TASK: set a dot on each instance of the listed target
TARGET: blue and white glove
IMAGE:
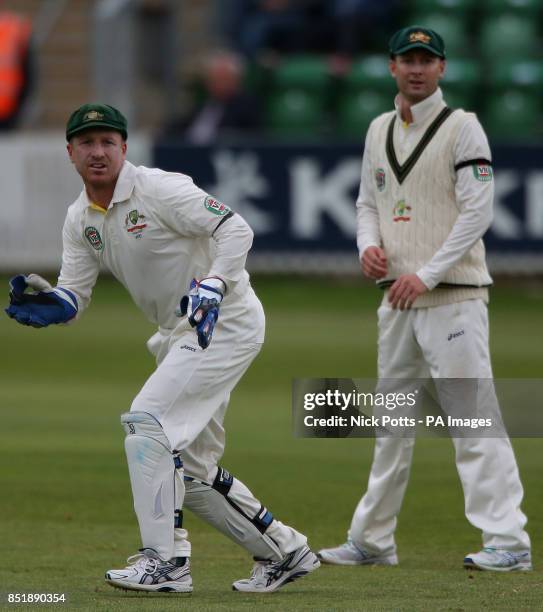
(45, 306)
(202, 307)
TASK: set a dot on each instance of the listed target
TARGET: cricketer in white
(425, 201)
(155, 231)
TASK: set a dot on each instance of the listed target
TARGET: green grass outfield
(65, 504)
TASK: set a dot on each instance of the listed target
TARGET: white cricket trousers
(448, 341)
(188, 394)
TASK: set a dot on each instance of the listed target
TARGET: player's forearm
(470, 226)
(233, 239)
(367, 215)
(367, 224)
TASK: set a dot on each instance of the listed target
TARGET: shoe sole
(150, 588)
(374, 561)
(293, 575)
(487, 568)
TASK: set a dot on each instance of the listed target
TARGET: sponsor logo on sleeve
(482, 172)
(216, 207)
(94, 238)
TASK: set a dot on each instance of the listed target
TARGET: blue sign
(302, 198)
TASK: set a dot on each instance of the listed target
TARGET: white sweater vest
(417, 209)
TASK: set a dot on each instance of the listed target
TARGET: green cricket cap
(96, 116)
(416, 37)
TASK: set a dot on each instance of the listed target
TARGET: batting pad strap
(241, 499)
(479, 161)
(177, 461)
(178, 519)
(263, 519)
(223, 481)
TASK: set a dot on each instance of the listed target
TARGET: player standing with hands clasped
(157, 232)
(425, 202)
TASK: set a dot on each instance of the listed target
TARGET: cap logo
(419, 37)
(93, 116)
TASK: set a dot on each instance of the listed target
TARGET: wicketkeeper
(161, 236)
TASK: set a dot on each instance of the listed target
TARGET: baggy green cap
(96, 116)
(417, 37)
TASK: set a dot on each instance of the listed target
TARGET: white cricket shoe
(497, 560)
(146, 571)
(268, 576)
(350, 554)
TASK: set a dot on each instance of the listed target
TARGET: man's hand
(374, 263)
(44, 307)
(405, 291)
(202, 307)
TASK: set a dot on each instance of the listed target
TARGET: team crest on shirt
(94, 238)
(216, 207)
(134, 223)
(482, 172)
(401, 212)
(380, 179)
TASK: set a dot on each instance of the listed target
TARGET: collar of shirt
(423, 110)
(123, 187)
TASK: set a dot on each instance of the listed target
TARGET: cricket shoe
(496, 560)
(351, 554)
(146, 571)
(268, 576)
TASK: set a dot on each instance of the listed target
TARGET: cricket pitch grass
(65, 506)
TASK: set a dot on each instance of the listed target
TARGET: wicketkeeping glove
(45, 306)
(202, 307)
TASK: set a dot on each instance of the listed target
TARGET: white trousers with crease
(188, 395)
(448, 341)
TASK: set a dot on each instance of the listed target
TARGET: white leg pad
(229, 506)
(152, 476)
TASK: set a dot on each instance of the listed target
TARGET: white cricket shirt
(159, 232)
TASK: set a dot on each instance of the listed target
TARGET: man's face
(417, 74)
(98, 156)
